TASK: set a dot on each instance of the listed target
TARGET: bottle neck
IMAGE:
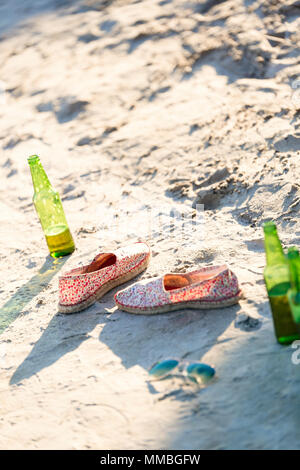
(39, 177)
(293, 273)
(295, 277)
(273, 248)
(296, 266)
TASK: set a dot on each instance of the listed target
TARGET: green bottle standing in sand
(277, 279)
(50, 211)
(294, 291)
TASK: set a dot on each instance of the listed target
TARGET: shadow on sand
(257, 386)
(187, 334)
(14, 13)
(64, 334)
(12, 309)
(136, 339)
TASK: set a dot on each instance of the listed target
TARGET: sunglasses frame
(181, 367)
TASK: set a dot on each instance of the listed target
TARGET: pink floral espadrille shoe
(209, 287)
(81, 287)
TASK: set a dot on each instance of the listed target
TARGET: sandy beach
(144, 114)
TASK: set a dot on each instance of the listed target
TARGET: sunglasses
(195, 371)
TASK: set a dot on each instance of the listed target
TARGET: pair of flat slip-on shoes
(208, 287)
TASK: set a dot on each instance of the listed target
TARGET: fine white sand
(139, 111)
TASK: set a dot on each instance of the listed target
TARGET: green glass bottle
(294, 291)
(277, 280)
(293, 254)
(50, 211)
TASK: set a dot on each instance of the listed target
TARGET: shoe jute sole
(104, 289)
(193, 304)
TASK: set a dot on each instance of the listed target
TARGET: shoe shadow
(14, 306)
(144, 339)
(63, 334)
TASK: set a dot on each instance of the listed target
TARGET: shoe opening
(101, 261)
(178, 281)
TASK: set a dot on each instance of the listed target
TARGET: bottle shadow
(14, 306)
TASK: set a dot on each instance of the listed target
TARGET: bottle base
(60, 241)
(61, 253)
(288, 339)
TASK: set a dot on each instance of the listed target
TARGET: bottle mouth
(269, 227)
(33, 158)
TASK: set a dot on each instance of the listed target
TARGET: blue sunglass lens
(198, 370)
(163, 368)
